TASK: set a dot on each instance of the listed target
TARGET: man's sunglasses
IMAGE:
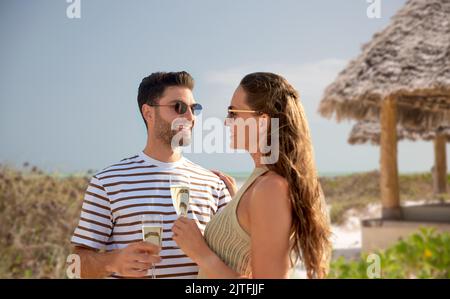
(181, 107)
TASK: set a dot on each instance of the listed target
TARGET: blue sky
(68, 86)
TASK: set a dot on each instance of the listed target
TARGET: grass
(423, 254)
(356, 191)
(39, 211)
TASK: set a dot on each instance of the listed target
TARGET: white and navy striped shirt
(119, 195)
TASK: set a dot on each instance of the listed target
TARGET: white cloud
(309, 78)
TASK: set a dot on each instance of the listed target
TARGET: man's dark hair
(152, 87)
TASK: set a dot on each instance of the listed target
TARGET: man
(108, 238)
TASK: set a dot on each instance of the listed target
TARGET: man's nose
(189, 115)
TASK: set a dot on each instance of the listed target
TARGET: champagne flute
(152, 230)
(180, 190)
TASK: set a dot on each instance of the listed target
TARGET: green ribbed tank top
(226, 237)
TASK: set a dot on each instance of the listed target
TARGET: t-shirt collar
(161, 164)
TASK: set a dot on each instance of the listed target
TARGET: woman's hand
(229, 181)
(188, 236)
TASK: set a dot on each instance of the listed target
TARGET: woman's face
(244, 126)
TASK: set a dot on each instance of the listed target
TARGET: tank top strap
(257, 172)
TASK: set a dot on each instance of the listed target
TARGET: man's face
(166, 123)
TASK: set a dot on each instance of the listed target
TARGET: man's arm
(92, 234)
(132, 261)
(94, 264)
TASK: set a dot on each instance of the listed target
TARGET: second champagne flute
(152, 231)
(179, 191)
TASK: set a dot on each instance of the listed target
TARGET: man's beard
(168, 136)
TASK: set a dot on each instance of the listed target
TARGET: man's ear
(147, 112)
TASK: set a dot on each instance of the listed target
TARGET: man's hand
(131, 261)
(229, 181)
(134, 260)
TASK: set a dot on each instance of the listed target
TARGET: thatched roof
(369, 131)
(409, 59)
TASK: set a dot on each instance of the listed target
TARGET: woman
(278, 214)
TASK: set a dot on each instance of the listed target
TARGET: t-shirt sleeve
(223, 196)
(95, 224)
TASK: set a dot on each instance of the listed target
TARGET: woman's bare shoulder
(270, 199)
(272, 180)
(269, 186)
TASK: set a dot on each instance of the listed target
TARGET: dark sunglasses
(181, 107)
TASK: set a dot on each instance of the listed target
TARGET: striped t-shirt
(119, 195)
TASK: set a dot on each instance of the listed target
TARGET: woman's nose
(228, 122)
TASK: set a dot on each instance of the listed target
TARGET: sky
(68, 86)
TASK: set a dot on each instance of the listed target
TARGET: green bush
(425, 254)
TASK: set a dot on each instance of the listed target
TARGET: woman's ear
(264, 123)
(265, 115)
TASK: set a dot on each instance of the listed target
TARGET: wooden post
(390, 197)
(440, 165)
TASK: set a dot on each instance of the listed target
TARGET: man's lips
(180, 124)
(184, 128)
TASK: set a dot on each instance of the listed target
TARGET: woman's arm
(188, 236)
(213, 267)
(270, 227)
(270, 224)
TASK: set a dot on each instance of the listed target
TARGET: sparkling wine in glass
(180, 190)
(152, 231)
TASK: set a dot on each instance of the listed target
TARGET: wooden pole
(390, 197)
(440, 165)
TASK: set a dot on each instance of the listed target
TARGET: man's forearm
(95, 264)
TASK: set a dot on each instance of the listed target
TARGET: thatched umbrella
(401, 76)
(369, 131)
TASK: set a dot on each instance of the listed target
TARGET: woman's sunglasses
(181, 107)
(232, 113)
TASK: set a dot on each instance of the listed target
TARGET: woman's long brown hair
(272, 94)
